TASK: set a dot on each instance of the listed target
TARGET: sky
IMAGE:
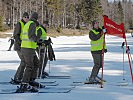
(116, 0)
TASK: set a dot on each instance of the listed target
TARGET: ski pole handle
(122, 44)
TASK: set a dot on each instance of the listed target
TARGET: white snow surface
(73, 58)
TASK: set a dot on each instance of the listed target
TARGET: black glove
(122, 44)
(105, 50)
(46, 42)
(40, 42)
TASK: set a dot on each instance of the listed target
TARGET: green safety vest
(98, 44)
(44, 35)
(22, 27)
(26, 42)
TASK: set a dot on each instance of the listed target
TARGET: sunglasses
(96, 22)
(26, 17)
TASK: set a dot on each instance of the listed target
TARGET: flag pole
(129, 59)
(102, 60)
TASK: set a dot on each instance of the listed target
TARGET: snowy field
(73, 58)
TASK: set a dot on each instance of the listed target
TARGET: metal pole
(123, 60)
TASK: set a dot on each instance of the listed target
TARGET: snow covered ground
(73, 58)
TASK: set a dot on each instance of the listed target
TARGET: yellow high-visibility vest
(98, 44)
(26, 42)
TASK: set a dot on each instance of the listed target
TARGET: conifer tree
(1, 23)
(91, 10)
(120, 13)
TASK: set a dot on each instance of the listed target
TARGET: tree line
(66, 13)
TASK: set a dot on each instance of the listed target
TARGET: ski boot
(100, 79)
(92, 81)
(36, 84)
(24, 87)
(44, 75)
(15, 82)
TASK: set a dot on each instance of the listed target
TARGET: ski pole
(130, 54)
(49, 66)
(122, 46)
(48, 60)
(39, 53)
(45, 50)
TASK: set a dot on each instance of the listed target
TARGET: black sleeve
(32, 32)
(39, 33)
(94, 36)
(17, 32)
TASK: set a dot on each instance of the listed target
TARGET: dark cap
(45, 22)
(34, 15)
(25, 14)
(93, 22)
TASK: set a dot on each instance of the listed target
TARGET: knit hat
(25, 14)
(34, 15)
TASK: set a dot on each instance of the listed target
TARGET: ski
(58, 77)
(118, 83)
(45, 82)
(79, 83)
(42, 90)
(52, 83)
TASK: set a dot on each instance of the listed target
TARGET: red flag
(113, 28)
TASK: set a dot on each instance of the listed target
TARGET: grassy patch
(53, 33)
(4, 34)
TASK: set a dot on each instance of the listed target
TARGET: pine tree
(91, 10)
(120, 16)
(1, 23)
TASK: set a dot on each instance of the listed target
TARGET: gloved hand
(104, 30)
(105, 50)
(40, 42)
(46, 42)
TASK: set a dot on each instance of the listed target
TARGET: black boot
(44, 75)
(23, 88)
(15, 82)
(36, 84)
(92, 81)
(33, 89)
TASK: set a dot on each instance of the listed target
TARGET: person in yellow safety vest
(17, 35)
(42, 50)
(28, 47)
(97, 42)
